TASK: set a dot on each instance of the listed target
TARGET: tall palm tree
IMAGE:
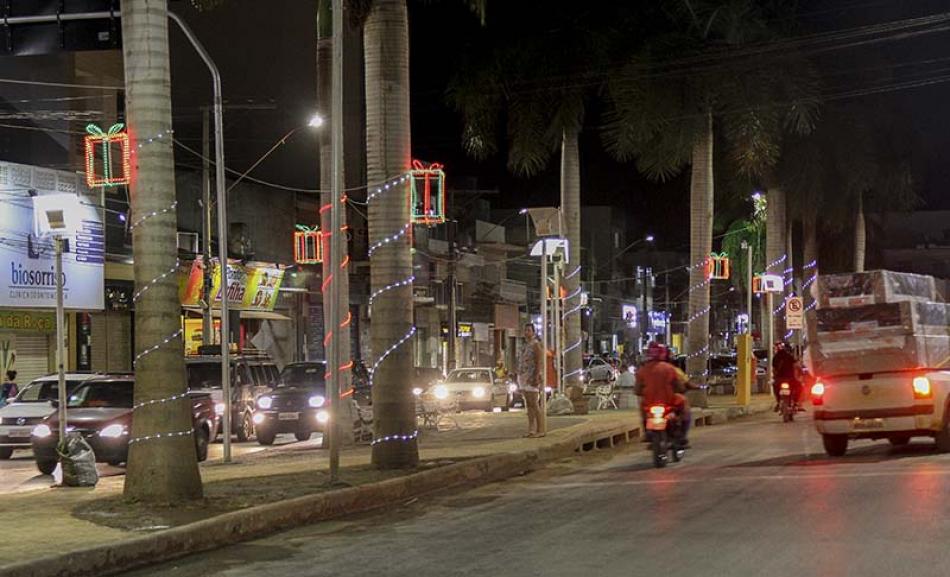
(161, 469)
(529, 79)
(856, 160)
(388, 155)
(667, 101)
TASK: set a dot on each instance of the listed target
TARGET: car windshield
(204, 375)
(44, 391)
(309, 375)
(463, 376)
(111, 394)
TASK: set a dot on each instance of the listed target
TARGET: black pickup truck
(101, 410)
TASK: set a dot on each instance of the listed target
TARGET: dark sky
(266, 54)
(442, 32)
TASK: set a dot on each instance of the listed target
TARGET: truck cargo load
(872, 287)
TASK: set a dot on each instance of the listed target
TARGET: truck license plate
(866, 424)
(288, 416)
(785, 392)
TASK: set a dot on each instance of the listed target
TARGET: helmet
(657, 352)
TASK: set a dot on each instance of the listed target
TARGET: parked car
(31, 406)
(597, 370)
(252, 375)
(100, 409)
(296, 405)
(474, 388)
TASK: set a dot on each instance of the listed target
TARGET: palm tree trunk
(571, 213)
(701, 225)
(324, 89)
(776, 247)
(160, 470)
(386, 53)
(860, 236)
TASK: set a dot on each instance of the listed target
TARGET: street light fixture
(316, 121)
(58, 216)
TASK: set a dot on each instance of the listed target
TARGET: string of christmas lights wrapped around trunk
(176, 336)
(388, 438)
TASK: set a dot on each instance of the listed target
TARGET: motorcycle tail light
(657, 411)
(784, 385)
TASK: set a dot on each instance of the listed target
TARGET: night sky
(266, 55)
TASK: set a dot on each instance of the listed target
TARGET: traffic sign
(795, 313)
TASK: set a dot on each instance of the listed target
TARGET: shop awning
(259, 315)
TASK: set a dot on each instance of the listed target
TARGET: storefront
(26, 340)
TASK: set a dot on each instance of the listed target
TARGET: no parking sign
(795, 313)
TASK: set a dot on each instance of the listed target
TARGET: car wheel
(835, 445)
(246, 429)
(114, 463)
(509, 402)
(302, 435)
(202, 438)
(46, 467)
(265, 437)
(490, 408)
(943, 437)
(6, 453)
(899, 441)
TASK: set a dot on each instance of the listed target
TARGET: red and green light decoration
(107, 156)
(308, 245)
(427, 193)
(718, 267)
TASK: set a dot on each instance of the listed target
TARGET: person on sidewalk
(8, 389)
(529, 373)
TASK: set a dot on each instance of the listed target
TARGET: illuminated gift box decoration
(308, 248)
(107, 156)
(427, 194)
(718, 267)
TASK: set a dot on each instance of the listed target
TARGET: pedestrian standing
(8, 389)
(530, 372)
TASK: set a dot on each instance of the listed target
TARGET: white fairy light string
(173, 337)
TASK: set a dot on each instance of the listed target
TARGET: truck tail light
(818, 393)
(922, 388)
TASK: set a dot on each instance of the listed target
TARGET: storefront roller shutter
(32, 356)
(111, 342)
(99, 342)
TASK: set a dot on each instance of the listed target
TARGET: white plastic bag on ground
(560, 405)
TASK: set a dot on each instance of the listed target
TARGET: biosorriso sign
(27, 260)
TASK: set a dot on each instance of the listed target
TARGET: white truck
(879, 342)
(892, 405)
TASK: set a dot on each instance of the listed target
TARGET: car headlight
(478, 392)
(512, 388)
(440, 392)
(583, 378)
(219, 409)
(323, 417)
(258, 418)
(417, 391)
(315, 401)
(265, 402)
(42, 431)
(548, 389)
(113, 431)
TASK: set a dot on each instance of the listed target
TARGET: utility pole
(669, 312)
(207, 324)
(451, 341)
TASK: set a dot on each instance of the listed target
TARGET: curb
(255, 522)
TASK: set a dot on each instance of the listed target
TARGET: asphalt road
(756, 498)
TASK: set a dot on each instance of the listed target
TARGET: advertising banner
(27, 260)
(251, 286)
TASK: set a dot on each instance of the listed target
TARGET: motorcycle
(664, 431)
(786, 404)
